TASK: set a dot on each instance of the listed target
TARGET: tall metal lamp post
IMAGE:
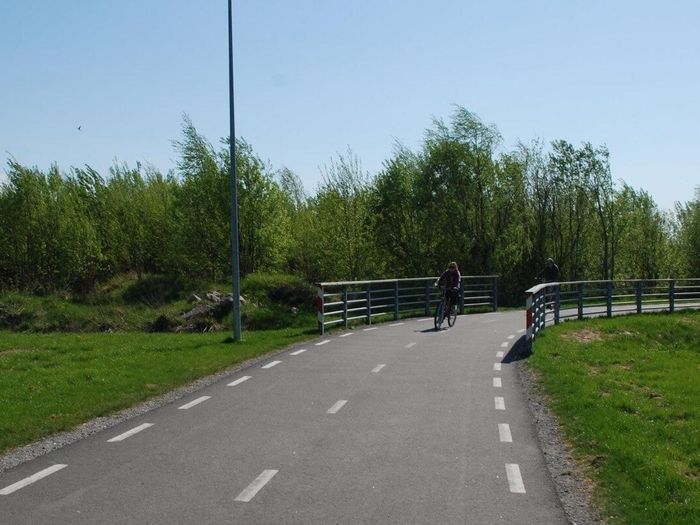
(234, 189)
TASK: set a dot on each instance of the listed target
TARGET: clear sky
(316, 77)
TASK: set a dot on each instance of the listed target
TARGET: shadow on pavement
(517, 352)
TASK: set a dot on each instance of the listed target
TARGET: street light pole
(234, 189)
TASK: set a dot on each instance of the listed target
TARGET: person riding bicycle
(550, 272)
(451, 279)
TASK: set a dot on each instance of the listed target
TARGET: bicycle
(445, 305)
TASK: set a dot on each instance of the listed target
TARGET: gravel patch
(572, 486)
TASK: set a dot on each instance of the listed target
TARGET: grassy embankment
(627, 392)
(52, 381)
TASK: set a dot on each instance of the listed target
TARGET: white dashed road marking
(500, 354)
(369, 329)
(410, 345)
(31, 479)
(195, 402)
(270, 365)
(504, 433)
(122, 437)
(504, 345)
(499, 403)
(426, 319)
(239, 381)
(397, 324)
(515, 480)
(298, 352)
(377, 368)
(497, 382)
(522, 330)
(334, 409)
(252, 489)
(511, 337)
(345, 335)
(324, 342)
(497, 367)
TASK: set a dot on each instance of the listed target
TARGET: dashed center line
(251, 490)
(298, 352)
(324, 342)
(497, 382)
(122, 437)
(239, 381)
(500, 403)
(410, 345)
(270, 365)
(31, 479)
(497, 367)
(515, 480)
(334, 409)
(377, 368)
(194, 403)
(504, 433)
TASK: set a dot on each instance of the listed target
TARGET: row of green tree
(459, 197)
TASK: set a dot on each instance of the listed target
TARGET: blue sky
(316, 77)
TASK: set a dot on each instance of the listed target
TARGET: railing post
(461, 296)
(528, 322)
(495, 294)
(319, 310)
(369, 304)
(396, 300)
(609, 298)
(638, 295)
(557, 303)
(580, 301)
(345, 305)
(427, 299)
(671, 295)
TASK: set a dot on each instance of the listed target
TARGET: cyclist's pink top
(451, 278)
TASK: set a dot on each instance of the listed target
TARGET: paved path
(395, 424)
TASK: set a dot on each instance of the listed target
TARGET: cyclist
(451, 279)
(550, 272)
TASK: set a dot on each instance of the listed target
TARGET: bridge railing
(345, 302)
(551, 303)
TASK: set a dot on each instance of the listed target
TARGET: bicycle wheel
(439, 315)
(452, 316)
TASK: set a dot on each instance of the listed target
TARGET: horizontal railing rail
(550, 303)
(345, 302)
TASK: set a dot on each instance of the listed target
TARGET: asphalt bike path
(394, 423)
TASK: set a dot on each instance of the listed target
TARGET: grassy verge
(51, 383)
(627, 392)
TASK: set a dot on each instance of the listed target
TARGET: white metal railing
(345, 302)
(552, 302)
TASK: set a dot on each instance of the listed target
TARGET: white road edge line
(500, 403)
(193, 403)
(345, 335)
(500, 354)
(122, 437)
(397, 324)
(410, 345)
(31, 479)
(298, 352)
(504, 433)
(497, 367)
(497, 382)
(239, 381)
(522, 330)
(511, 337)
(515, 480)
(377, 369)
(369, 329)
(323, 342)
(426, 319)
(270, 365)
(504, 345)
(251, 490)
(334, 409)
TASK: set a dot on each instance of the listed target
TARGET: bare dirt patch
(585, 335)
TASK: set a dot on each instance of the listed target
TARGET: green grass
(54, 382)
(627, 392)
